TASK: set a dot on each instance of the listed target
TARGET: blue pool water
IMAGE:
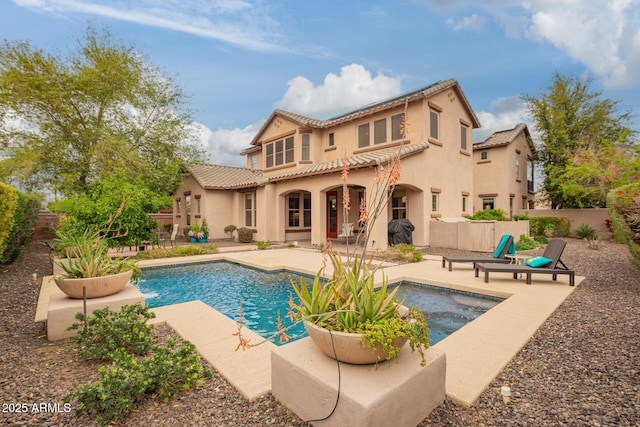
(222, 285)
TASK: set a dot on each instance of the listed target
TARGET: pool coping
(476, 353)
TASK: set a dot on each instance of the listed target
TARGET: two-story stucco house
(291, 189)
(503, 171)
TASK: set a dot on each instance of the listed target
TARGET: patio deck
(475, 354)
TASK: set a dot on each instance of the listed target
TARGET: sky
(238, 60)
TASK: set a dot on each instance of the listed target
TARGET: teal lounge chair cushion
(538, 261)
(503, 241)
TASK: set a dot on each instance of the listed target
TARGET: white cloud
(604, 35)
(223, 146)
(505, 114)
(353, 88)
(471, 23)
(241, 23)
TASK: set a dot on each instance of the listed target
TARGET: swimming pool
(222, 285)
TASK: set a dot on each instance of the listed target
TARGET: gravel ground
(580, 368)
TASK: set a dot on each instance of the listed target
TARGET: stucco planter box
(305, 380)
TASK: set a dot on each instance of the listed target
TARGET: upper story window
(279, 152)
(396, 126)
(331, 139)
(380, 131)
(254, 161)
(484, 155)
(306, 139)
(464, 131)
(434, 119)
(517, 165)
(363, 135)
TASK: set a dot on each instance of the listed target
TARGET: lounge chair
(505, 246)
(555, 267)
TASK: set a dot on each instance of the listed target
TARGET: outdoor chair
(505, 246)
(174, 234)
(549, 263)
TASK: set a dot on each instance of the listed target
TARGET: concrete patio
(475, 354)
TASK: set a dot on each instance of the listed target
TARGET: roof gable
(371, 109)
(505, 137)
(217, 177)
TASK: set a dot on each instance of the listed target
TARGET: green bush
(538, 224)
(8, 201)
(489, 215)
(585, 232)
(405, 252)
(119, 338)
(526, 243)
(107, 333)
(263, 244)
(623, 206)
(189, 250)
(25, 216)
(245, 235)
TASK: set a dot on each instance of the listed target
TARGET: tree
(68, 121)
(574, 123)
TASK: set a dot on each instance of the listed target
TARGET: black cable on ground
(335, 356)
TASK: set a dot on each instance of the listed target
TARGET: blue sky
(240, 59)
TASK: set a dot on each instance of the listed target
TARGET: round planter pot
(203, 239)
(348, 348)
(193, 240)
(96, 287)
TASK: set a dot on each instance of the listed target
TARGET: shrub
(229, 229)
(209, 248)
(168, 370)
(106, 334)
(245, 235)
(538, 224)
(263, 244)
(25, 216)
(526, 243)
(585, 232)
(8, 201)
(489, 215)
(623, 205)
(405, 252)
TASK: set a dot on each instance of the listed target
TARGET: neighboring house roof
(505, 137)
(356, 161)
(424, 92)
(217, 177)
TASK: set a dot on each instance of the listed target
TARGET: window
(511, 206)
(250, 210)
(380, 131)
(517, 165)
(484, 155)
(198, 205)
(464, 203)
(434, 202)
(187, 208)
(331, 139)
(463, 136)
(178, 206)
(488, 203)
(279, 152)
(434, 117)
(305, 146)
(363, 135)
(299, 210)
(269, 156)
(399, 204)
(254, 162)
(396, 126)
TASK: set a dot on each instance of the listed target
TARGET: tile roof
(503, 137)
(356, 161)
(377, 107)
(217, 177)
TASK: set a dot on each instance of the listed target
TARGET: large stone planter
(348, 347)
(96, 287)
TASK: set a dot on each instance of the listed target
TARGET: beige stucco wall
(496, 176)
